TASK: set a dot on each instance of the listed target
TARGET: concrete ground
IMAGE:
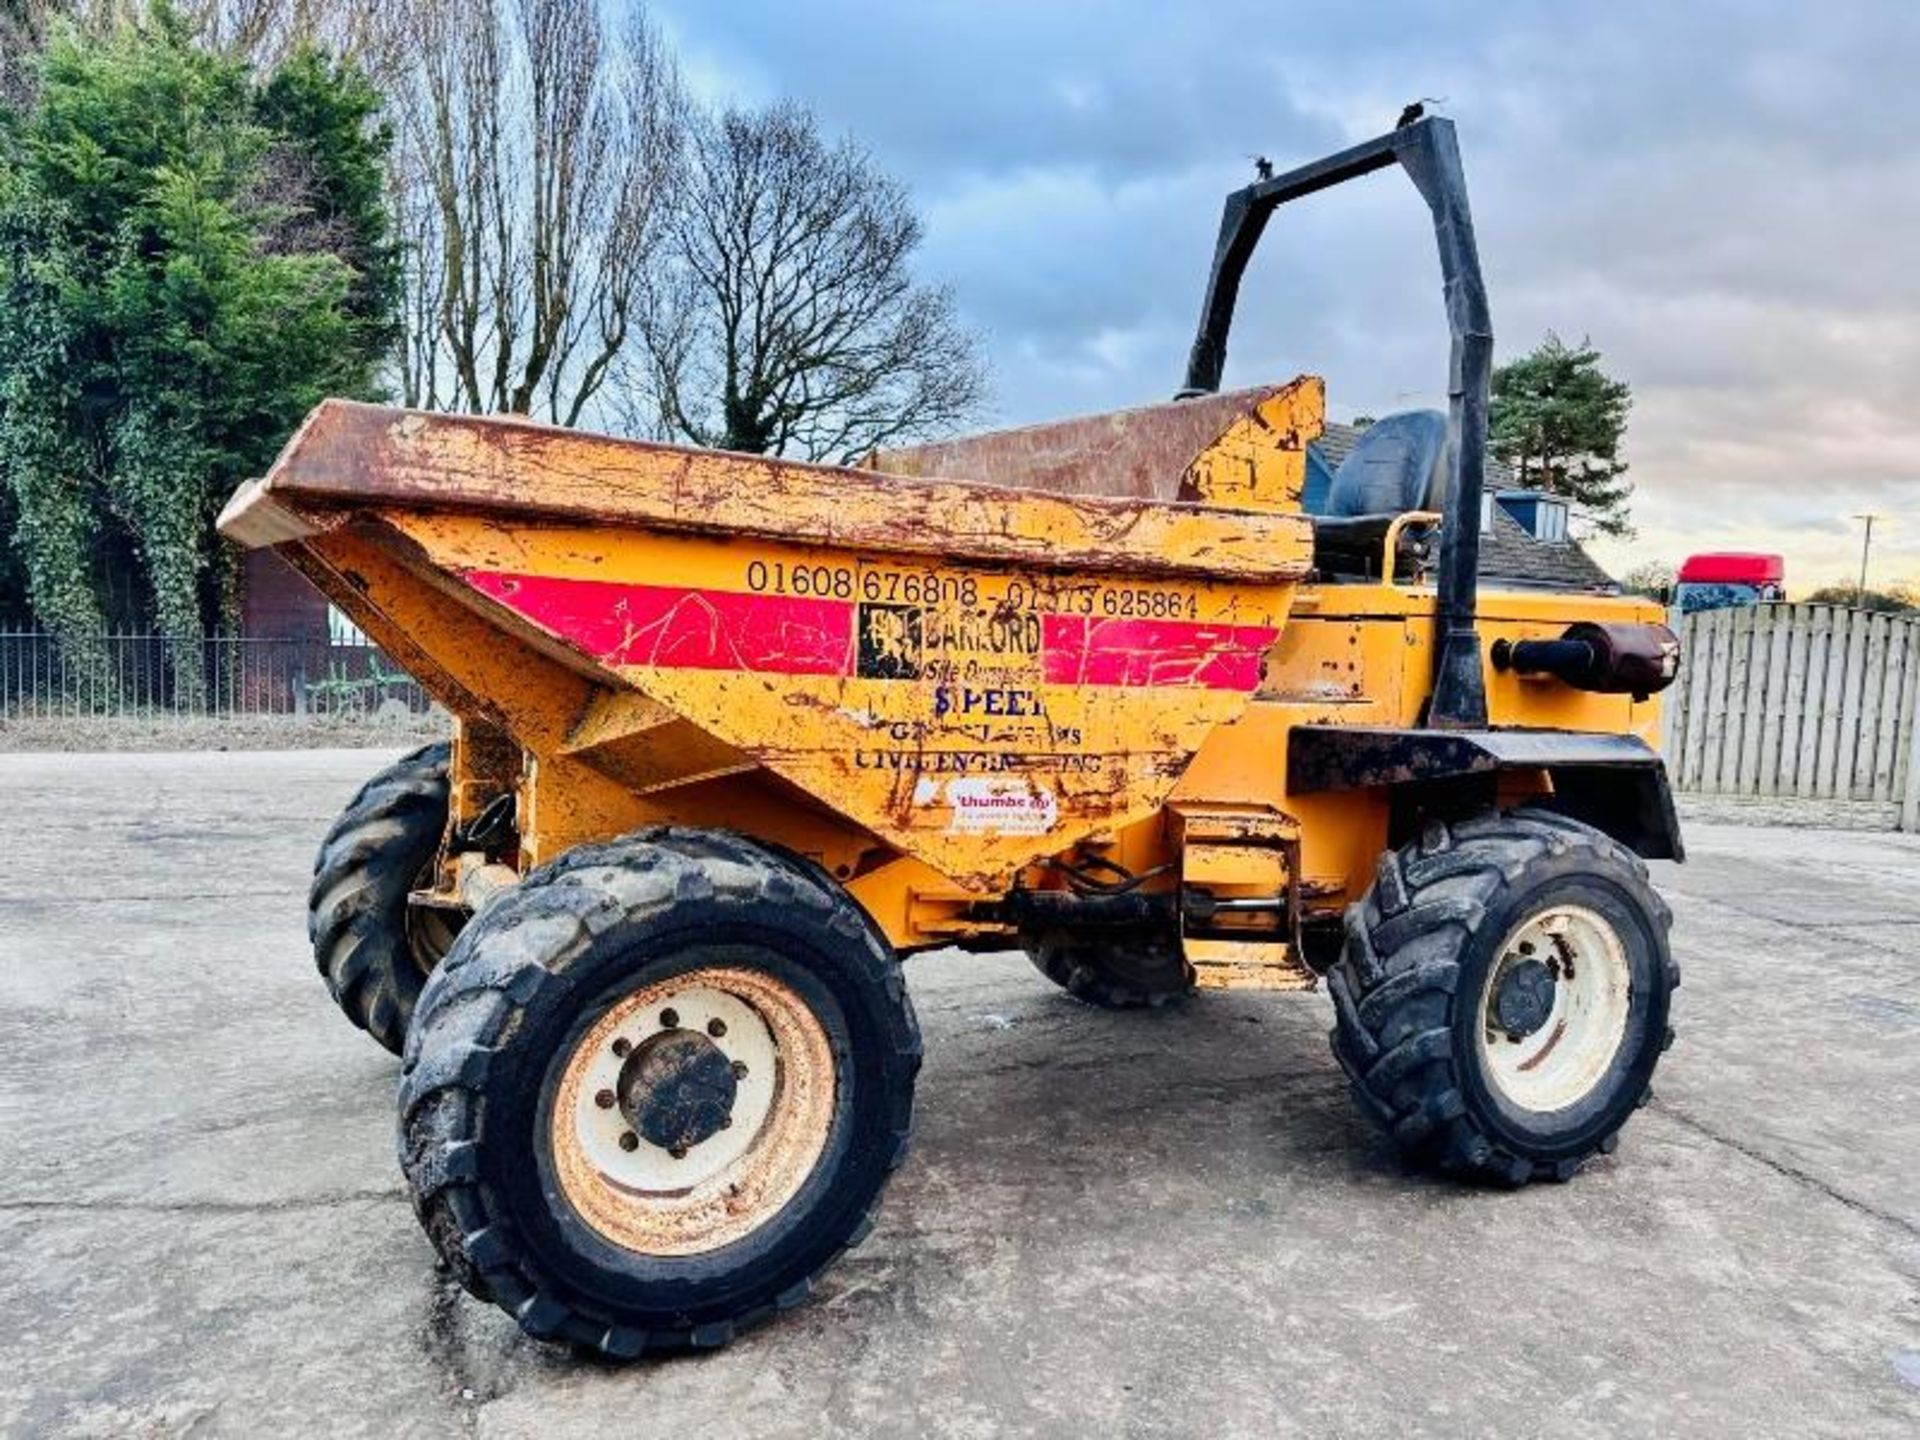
(1112, 1224)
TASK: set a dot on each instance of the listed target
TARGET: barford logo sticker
(890, 642)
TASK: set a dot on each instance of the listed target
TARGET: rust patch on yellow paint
(1260, 461)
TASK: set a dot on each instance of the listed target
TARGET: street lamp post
(1866, 549)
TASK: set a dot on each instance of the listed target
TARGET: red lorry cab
(1727, 579)
(1734, 567)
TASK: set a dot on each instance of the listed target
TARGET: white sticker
(987, 805)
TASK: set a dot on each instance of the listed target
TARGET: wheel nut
(678, 1152)
(726, 1122)
(604, 1099)
(629, 1141)
(622, 1046)
(669, 1019)
(739, 1069)
(716, 1028)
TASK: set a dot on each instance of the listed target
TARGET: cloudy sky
(1725, 197)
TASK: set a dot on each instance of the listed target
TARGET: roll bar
(1430, 154)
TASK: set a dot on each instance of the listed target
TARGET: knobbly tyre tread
(1393, 988)
(526, 941)
(1081, 967)
(356, 905)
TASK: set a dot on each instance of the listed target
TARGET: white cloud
(1724, 199)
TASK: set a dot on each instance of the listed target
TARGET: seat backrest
(1399, 463)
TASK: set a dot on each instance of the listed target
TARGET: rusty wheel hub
(693, 1110)
(677, 1089)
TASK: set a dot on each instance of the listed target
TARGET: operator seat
(1398, 464)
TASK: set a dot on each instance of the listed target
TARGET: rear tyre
(656, 1088)
(1503, 996)
(1126, 971)
(372, 948)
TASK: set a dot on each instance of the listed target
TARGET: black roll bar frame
(1429, 152)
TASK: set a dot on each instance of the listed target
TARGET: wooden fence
(1812, 701)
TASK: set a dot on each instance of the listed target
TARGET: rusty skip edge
(256, 520)
(350, 457)
(1144, 453)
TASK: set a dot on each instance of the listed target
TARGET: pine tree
(1558, 419)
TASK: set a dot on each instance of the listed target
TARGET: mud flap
(1615, 783)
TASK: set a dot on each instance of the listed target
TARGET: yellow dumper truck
(732, 735)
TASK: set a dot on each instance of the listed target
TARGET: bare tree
(417, 360)
(581, 245)
(266, 31)
(23, 28)
(537, 152)
(783, 317)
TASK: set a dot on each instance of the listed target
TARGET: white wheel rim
(657, 1201)
(1558, 1063)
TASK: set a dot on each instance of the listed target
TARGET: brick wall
(277, 603)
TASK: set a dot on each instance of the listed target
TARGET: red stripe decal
(681, 628)
(1086, 650)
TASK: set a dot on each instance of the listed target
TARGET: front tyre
(655, 1089)
(1503, 996)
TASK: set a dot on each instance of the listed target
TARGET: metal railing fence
(97, 676)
